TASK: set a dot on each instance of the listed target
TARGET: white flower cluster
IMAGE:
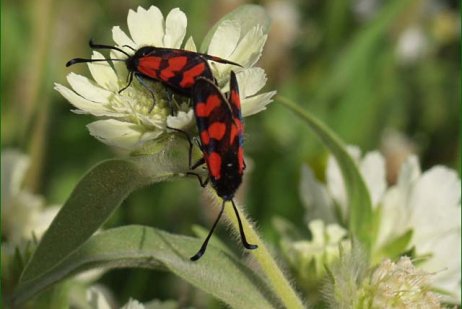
(129, 121)
(24, 215)
(425, 204)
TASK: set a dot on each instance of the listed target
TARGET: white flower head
(323, 249)
(424, 204)
(391, 285)
(428, 204)
(24, 214)
(400, 285)
(136, 116)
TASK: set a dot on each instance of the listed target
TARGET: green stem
(279, 283)
(360, 220)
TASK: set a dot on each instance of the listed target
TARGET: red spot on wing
(235, 99)
(217, 130)
(240, 159)
(214, 164)
(149, 66)
(204, 109)
(236, 129)
(166, 74)
(201, 109)
(189, 76)
(174, 65)
(205, 138)
(177, 63)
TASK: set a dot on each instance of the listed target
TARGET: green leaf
(395, 247)
(359, 201)
(96, 197)
(217, 273)
(247, 16)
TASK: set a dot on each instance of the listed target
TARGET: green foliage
(359, 201)
(222, 275)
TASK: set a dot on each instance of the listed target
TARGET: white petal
(445, 263)
(250, 81)
(190, 45)
(41, 223)
(175, 28)
(116, 133)
(120, 38)
(394, 216)
(225, 39)
(146, 27)
(249, 49)
(181, 120)
(335, 233)
(373, 172)
(120, 67)
(315, 198)
(14, 167)
(96, 299)
(256, 104)
(149, 136)
(134, 304)
(83, 104)
(103, 73)
(85, 88)
(435, 202)
(409, 172)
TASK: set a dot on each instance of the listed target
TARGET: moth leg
(241, 230)
(188, 138)
(151, 91)
(171, 101)
(129, 82)
(198, 163)
(202, 182)
(206, 241)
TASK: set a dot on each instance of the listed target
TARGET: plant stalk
(278, 282)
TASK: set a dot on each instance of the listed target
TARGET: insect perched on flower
(177, 69)
(129, 120)
(219, 122)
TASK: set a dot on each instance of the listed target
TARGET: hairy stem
(278, 282)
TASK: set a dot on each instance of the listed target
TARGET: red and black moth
(219, 122)
(176, 69)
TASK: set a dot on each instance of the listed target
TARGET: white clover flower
(399, 285)
(24, 214)
(311, 257)
(129, 121)
(427, 204)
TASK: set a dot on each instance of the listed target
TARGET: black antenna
(82, 60)
(241, 230)
(101, 46)
(201, 251)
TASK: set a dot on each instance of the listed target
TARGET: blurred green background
(382, 74)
